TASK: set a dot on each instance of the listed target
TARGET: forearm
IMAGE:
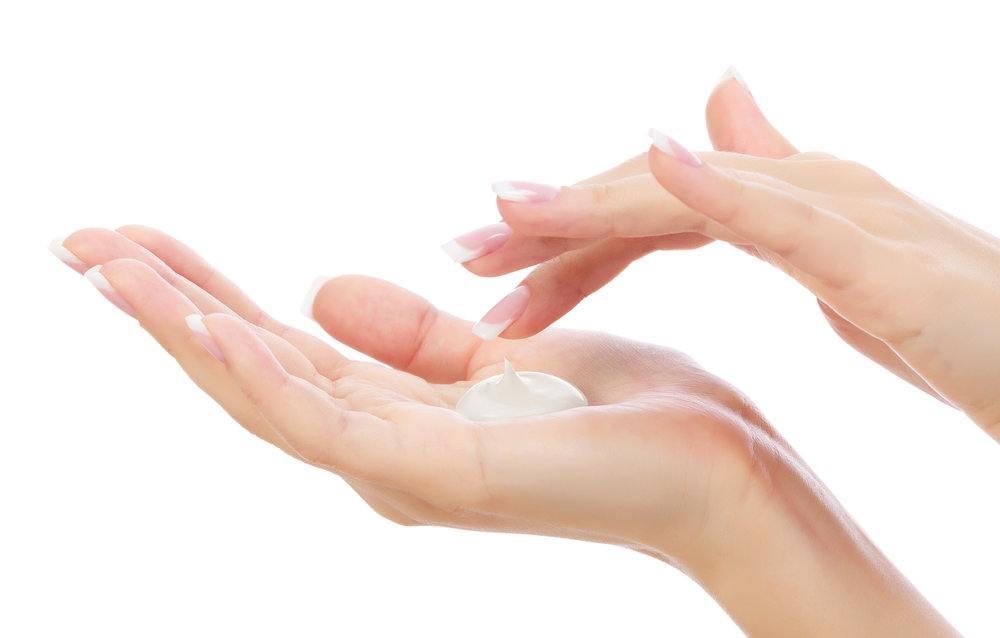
(791, 562)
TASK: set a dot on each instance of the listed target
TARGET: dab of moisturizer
(514, 394)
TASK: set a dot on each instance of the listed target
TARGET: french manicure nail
(204, 337)
(503, 314)
(670, 146)
(732, 74)
(477, 243)
(307, 303)
(526, 192)
(65, 256)
(100, 282)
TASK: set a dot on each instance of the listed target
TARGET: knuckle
(891, 309)
(600, 194)
(256, 399)
(859, 176)
(801, 218)
(735, 201)
(591, 208)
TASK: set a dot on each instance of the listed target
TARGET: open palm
(661, 443)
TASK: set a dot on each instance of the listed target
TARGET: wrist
(784, 558)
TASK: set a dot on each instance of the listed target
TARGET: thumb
(736, 124)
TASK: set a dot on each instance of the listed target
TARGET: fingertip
(523, 328)
(221, 325)
(84, 246)
(493, 265)
(581, 211)
(537, 210)
(731, 96)
(525, 192)
(477, 243)
(200, 331)
(672, 148)
(97, 276)
(501, 316)
(732, 76)
(737, 124)
(238, 347)
(57, 247)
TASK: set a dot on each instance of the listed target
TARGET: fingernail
(204, 337)
(732, 74)
(477, 243)
(528, 192)
(100, 282)
(66, 257)
(503, 314)
(307, 303)
(670, 146)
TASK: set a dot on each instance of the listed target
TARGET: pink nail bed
(525, 192)
(204, 337)
(671, 147)
(477, 243)
(101, 282)
(503, 314)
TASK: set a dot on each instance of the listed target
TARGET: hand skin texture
(904, 283)
(667, 460)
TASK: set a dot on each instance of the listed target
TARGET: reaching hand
(667, 459)
(909, 286)
(577, 261)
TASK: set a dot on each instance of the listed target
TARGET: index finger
(832, 250)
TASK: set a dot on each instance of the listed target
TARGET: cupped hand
(909, 286)
(661, 443)
(667, 459)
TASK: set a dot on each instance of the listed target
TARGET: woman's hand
(575, 263)
(635, 468)
(666, 459)
(909, 286)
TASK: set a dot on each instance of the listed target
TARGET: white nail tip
(732, 74)
(307, 303)
(661, 141)
(195, 323)
(100, 282)
(489, 331)
(94, 276)
(511, 193)
(64, 255)
(460, 253)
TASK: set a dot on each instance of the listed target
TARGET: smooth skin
(904, 283)
(667, 460)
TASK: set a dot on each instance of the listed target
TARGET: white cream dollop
(514, 394)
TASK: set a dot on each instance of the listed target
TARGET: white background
(290, 139)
